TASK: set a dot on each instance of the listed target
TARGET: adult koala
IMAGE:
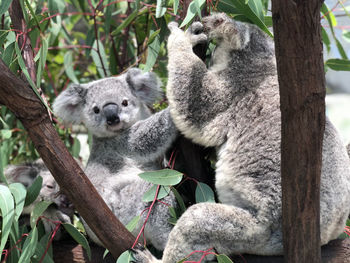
(234, 106)
(127, 140)
(61, 208)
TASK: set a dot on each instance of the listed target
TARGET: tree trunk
(302, 89)
(23, 102)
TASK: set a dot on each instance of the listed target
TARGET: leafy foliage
(75, 41)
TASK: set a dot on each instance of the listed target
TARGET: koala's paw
(142, 255)
(173, 26)
(196, 35)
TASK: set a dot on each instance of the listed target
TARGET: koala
(127, 140)
(234, 106)
(61, 209)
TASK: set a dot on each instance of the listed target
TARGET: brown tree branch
(23, 102)
(302, 93)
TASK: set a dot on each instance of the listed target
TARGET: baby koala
(61, 209)
(234, 105)
(127, 140)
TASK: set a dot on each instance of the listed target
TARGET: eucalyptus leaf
(68, 66)
(78, 237)
(125, 257)
(162, 177)
(19, 193)
(100, 59)
(204, 193)
(6, 134)
(7, 214)
(338, 64)
(223, 259)
(4, 6)
(133, 223)
(38, 210)
(150, 194)
(192, 11)
(29, 246)
(160, 8)
(33, 191)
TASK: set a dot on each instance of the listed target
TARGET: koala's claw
(173, 25)
(195, 29)
(142, 255)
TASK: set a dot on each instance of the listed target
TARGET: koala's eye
(96, 110)
(125, 103)
(218, 22)
(49, 186)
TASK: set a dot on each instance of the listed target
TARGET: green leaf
(68, 66)
(78, 237)
(39, 251)
(125, 23)
(56, 6)
(150, 194)
(338, 64)
(133, 223)
(105, 253)
(33, 191)
(4, 6)
(26, 74)
(125, 257)
(223, 259)
(29, 246)
(340, 49)
(162, 177)
(7, 214)
(176, 6)
(204, 193)
(179, 200)
(153, 51)
(172, 212)
(100, 59)
(76, 148)
(19, 193)
(192, 11)
(161, 8)
(42, 60)
(152, 37)
(253, 11)
(108, 16)
(346, 35)
(38, 210)
(6, 134)
(325, 39)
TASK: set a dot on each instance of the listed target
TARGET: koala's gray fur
(61, 210)
(234, 106)
(127, 140)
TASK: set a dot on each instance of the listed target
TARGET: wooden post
(302, 89)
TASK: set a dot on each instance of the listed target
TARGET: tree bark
(302, 89)
(23, 102)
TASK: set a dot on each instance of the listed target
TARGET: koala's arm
(148, 139)
(198, 97)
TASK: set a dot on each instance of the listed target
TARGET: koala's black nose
(111, 112)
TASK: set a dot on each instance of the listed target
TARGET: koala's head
(50, 191)
(109, 105)
(214, 25)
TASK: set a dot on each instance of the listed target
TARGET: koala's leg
(222, 228)
(198, 98)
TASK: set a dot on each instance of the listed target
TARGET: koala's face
(110, 106)
(213, 25)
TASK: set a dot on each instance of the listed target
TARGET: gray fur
(123, 149)
(234, 106)
(61, 210)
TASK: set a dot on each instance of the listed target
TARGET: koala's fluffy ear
(24, 174)
(69, 104)
(146, 86)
